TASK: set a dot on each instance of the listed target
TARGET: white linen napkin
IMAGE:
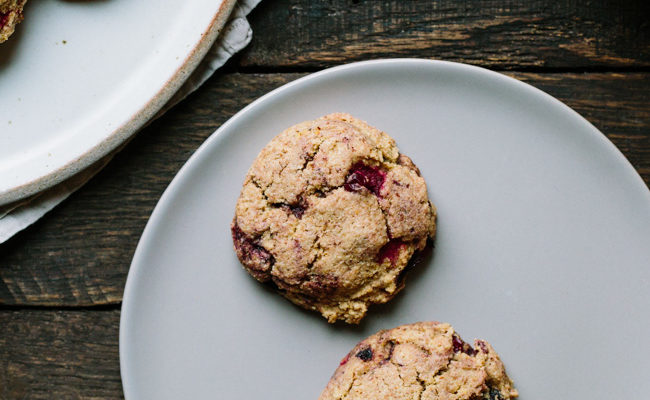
(235, 35)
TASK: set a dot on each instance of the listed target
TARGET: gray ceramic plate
(542, 248)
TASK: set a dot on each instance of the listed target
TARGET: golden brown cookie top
(425, 360)
(330, 212)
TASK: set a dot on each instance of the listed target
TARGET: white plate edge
(137, 120)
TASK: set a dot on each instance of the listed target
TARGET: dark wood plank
(79, 254)
(493, 33)
(66, 355)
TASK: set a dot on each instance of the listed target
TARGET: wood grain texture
(66, 355)
(79, 254)
(510, 34)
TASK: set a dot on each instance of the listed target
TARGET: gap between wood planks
(58, 307)
(530, 69)
(634, 142)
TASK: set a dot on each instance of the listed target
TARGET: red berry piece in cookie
(364, 176)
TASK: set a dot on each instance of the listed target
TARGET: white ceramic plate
(542, 247)
(78, 78)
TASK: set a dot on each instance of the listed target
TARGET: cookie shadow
(9, 48)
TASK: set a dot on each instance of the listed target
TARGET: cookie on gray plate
(331, 213)
(426, 361)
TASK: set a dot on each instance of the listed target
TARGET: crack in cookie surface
(318, 198)
(418, 361)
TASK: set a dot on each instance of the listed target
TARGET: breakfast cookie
(426, 361)
(11, 13)
(330, 213)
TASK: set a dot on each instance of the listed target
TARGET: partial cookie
(11, 13)
(331, 213)
(425, 361)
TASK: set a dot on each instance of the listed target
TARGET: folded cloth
(235, 35)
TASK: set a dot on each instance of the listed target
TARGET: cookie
(11, 13)
(426, 361)
(330, 213)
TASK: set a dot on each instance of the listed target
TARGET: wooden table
(61, 280)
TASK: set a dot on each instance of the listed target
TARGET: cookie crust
(11, 13)
(331, 213)
(426, 361)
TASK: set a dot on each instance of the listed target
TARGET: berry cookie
(426, 361)
(11, 13)
(330, 213)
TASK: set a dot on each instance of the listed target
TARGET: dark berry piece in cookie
(391, 250)
(297, 210)
(364, 176)
(365, 354)
(256, 258)
(461, 346)
(495, 394)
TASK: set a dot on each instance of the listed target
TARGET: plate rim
(123, 133)
(136, 267)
